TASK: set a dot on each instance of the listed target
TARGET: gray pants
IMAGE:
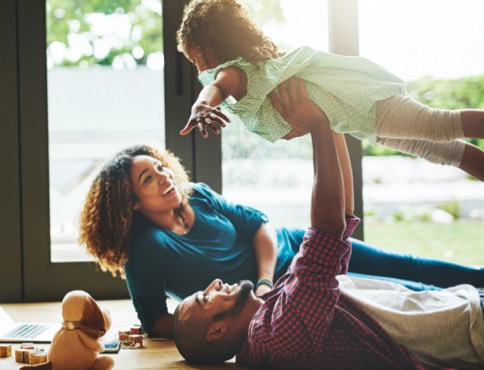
(441, 328)
(406, 125)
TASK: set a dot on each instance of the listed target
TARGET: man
(304, 322)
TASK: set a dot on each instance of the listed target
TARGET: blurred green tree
(96, 32)
(86, 33)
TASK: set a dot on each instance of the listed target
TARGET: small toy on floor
(28, 354)
(5, 350)
(76, 345)
(132, 338)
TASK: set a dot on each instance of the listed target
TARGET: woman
(144, 220)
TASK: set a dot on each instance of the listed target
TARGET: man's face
(218, 301)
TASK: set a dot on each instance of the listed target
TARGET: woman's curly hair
(224, 28)
(107, 215)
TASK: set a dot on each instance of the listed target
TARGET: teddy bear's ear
(93, 322)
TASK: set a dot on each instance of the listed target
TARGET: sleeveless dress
(346, 88)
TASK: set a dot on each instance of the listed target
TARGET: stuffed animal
(76, 345)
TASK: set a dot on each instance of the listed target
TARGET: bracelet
(264, 282)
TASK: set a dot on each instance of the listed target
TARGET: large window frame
(25, 266)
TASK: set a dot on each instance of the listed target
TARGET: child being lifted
(239, 66)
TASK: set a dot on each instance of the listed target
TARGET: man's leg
(442, 328)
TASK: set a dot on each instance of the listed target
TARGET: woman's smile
(170, 190)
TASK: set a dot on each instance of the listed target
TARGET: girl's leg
(457, 153)
(448, 154)
(400, 117)
(473, 123)
(366, 259)
(473, 161)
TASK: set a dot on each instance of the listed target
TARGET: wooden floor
(159, 354)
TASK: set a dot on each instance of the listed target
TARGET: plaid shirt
(306, 324)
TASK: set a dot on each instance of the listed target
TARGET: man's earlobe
(216, 332)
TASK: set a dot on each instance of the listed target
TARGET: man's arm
(346, 171)
(327, 201)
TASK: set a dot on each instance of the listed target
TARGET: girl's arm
(230, 81)
(265, 248)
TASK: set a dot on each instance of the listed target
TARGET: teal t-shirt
(219, 245)
(346, 88)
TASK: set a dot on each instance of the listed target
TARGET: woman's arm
(265, 248)
(163, 327)
(230, 81)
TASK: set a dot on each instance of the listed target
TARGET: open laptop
(20, 332)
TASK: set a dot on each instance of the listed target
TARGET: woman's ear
(216, 331)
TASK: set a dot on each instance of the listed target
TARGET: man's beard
(245, 287)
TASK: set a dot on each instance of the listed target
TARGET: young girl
(239, 68)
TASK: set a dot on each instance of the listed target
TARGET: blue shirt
(219, 245)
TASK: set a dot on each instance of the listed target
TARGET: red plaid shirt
(306, 324)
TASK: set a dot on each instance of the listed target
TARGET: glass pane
(276, 178)
(412, 205)
(105, 92)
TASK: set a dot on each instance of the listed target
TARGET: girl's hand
(296, 107)
(203, 116)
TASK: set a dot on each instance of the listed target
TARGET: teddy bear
(76, 345)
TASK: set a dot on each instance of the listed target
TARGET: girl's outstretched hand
(296, 107)
(203, 116)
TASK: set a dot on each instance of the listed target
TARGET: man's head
(211, 325)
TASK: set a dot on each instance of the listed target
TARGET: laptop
(20, 332)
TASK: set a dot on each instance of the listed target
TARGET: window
(412, 205)
(105, 92)
(65, 112)
(276, 178)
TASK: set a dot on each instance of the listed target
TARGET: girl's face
(154, 186)
(202, 63)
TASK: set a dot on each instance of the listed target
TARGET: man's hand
(203, 116)
(296, 107)
(327, 201)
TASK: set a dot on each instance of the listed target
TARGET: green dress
(346, 88)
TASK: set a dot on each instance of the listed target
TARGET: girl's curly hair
(107, 215)
(224, 28)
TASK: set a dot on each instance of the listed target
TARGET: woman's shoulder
(204, 197)
(200, 189)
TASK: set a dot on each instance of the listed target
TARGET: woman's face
(154, 186)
